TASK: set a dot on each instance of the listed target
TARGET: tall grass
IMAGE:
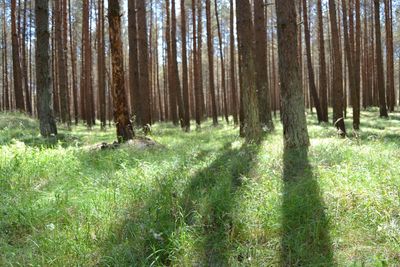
(201, 199)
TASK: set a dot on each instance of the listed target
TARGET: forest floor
(203, 198)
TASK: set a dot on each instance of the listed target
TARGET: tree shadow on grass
(305, 237)
(184, 221)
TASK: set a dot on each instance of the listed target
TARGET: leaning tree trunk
(121, 114)
(47, 123)
(293, 110)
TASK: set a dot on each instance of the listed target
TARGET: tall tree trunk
(61, 62)
(252, 127)
(311, 77)
(210, 53)
(379, 61)
(7, 104)
(185, 81)
(28, 101)
(350, 59)
(323, 86)
(101, 64)
(174, 65)
(172, 86)
(293, 110)
(133, 63)
(121, 113)
(261, 65)
(337, 72)
(143, 52)
(196, 61)
(47, 122)
(72, 44)
(357, 69)
(16, 59)
(391, 96)
(232, 65)
(223, 73)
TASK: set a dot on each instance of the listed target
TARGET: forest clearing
(200, 133)
(203, 199)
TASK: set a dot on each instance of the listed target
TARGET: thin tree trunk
(337, 72)
(185, 82)
(210, 54)
(223, 73)
(311, 77)
(379, 62)
(323, 87)
(17, 71)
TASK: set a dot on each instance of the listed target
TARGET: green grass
(202, 199)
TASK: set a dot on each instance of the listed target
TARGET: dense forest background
(192, 61)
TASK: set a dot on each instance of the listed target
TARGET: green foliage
(204, 198)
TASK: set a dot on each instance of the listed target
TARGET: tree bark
(143, 52)
(337, 72)
(16, 59)
(121, 113)
(210, 54)
(185, 82)
(293, 110)
(261, 65)
(379, 61)
(251, 127)
(311, 76)
(45, 113)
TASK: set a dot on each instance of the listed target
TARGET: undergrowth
(204, 198)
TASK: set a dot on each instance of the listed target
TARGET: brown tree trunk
(174, 66)
(311, 77)
(348, 42)
(47, 122)
(72, 44)
(252, 127)
(357, 69)
(293, 110)
(196, 61)
(143, 52)
(16, 59)
(323, 86)
(337, 72)
(261, 65)
(101, 64)
(391, 96)
(210, 54)
(6, 91)
(121, 113)
(27, 83)
(185, 81)
(133, 63)
(379, 61)
(232, 66)
(171, 78)
(223, 73)
(61, 61)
